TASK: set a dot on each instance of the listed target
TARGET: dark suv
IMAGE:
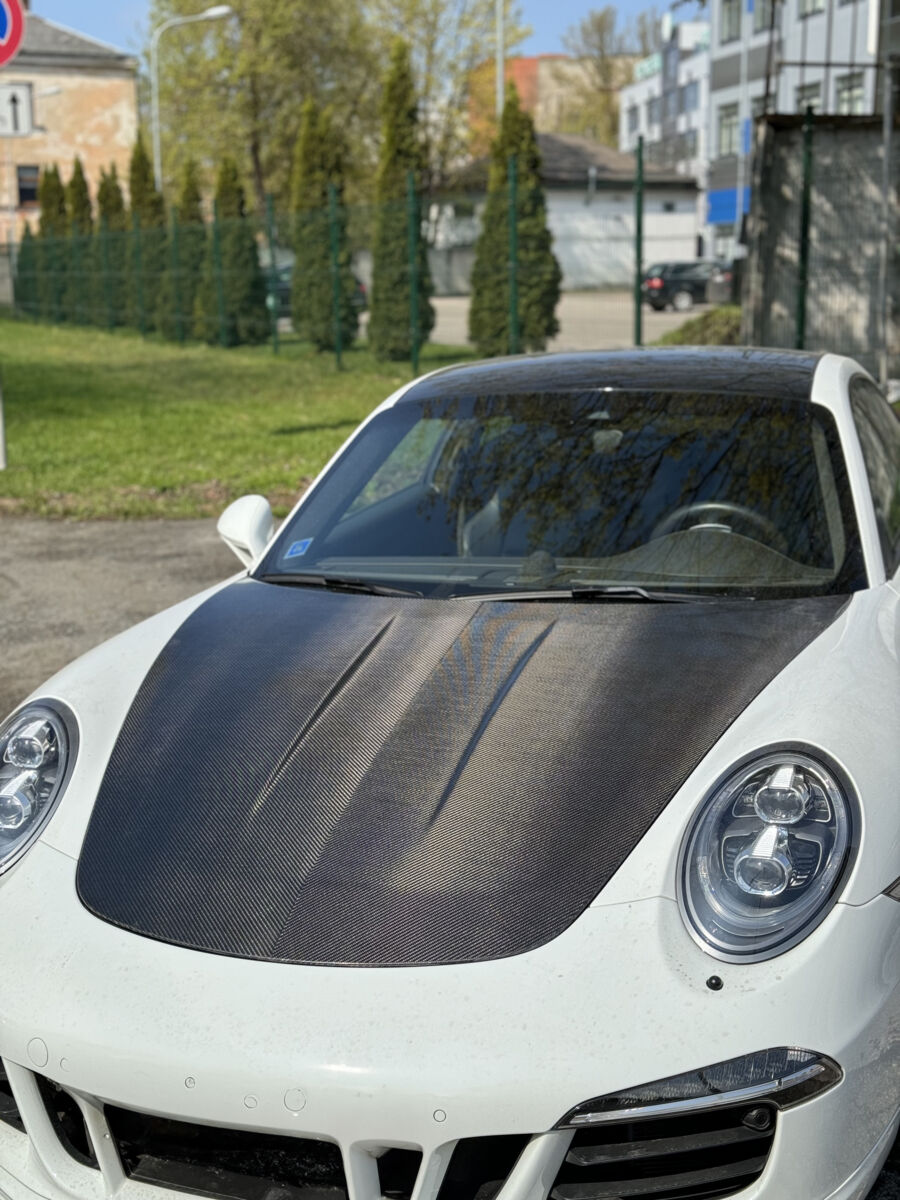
(681, 284)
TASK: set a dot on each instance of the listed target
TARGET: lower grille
(67, 1121)
(479, 1166)
(398, 1171)
(697, 1156)
(9, 1110)
(232, 1163)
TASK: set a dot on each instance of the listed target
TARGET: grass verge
(716, 327)
(103, 425)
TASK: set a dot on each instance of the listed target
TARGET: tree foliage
(27, 267)
(79, 249)
(231, 300)
(606, 54)
(147, 246)
(52, 229)
(448, 41)
(186, 255)
(319, 176)
(538, 273)
(236, 87)
(108, 284)
(401, 158)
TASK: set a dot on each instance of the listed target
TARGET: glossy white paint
(246, 526)
(498, 1047)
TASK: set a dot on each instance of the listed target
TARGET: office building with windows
(751, 58)
(777, 56)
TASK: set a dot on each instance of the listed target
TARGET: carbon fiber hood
(311, 777)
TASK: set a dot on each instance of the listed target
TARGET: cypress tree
(231, 300)
(76, 298)
(319, 162)
(186, 253)
(52, 229)
(27, 276)
(147, 241)
(538, 274)
(390, 332)
(108, 284)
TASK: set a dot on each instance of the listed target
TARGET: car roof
(724, 370)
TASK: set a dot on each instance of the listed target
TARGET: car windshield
(488, 494)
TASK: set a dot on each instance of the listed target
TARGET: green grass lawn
(110, 425)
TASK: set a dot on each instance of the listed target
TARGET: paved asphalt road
(65, 587)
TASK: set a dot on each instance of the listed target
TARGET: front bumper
(420, 1058)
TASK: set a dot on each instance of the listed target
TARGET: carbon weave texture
(317, 778)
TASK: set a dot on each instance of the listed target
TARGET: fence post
(335, 271)
(13, 267)
(272, 298)
(639, 243)
(139, 273)
(217, 271)
(803, 258)
(412, 232)
(513, 222)
(104, 266)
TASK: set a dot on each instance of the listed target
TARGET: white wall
(594, 242)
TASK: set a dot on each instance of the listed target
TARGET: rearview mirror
(246, 527)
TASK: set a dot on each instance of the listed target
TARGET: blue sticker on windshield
(299, 548)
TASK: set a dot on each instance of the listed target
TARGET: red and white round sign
(12, 29)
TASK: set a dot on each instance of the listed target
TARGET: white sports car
(522, 823)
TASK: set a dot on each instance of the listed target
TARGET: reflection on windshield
(703, 492)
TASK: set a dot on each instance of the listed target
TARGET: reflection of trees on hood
(592, 476)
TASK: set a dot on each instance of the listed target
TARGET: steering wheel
(718, 512)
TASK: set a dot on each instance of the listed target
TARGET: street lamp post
(215, 13)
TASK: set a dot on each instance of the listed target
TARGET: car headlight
(37, 750)
(763, 860)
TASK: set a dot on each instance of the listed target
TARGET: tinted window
(879, 436)
(722, 494)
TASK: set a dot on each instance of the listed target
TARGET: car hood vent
(313, 777)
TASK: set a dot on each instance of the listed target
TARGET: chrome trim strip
(699, 1103)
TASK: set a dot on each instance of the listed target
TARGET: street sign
(15, 109)
(12, 29)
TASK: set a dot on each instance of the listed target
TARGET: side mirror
(246, 527)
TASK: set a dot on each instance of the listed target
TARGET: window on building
(762, 15)
(671, 103)
(28, 178)
(757, 106)
(809, 96)
(850, 94)
(690, 96)
(730, 25)
(728, 129)
(634, 118)
(654, 110)
(807, 8)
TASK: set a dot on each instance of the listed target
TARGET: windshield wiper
(599, 593)
(336, 583)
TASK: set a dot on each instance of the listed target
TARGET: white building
(589, 192)
(695, 101)
(668, 102)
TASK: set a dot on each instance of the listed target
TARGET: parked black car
(284, 280)
(681, 284)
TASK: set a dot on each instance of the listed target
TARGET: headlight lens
(36, 755)
(765, 855)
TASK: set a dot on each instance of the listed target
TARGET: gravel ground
(64, 587)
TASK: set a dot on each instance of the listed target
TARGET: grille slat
(663, 1185)
(589, 1156)
(208, 1161)
(701, 1155)
(9, 1110)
